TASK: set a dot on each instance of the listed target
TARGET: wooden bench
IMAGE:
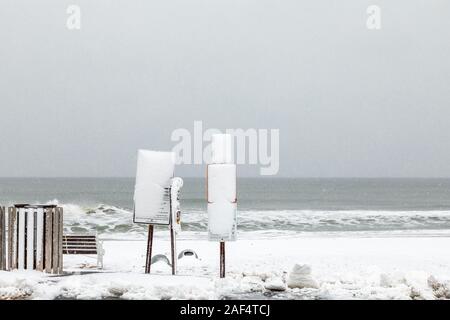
(85, 244)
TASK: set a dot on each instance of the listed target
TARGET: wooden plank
(2, 239)
(40, 240)
(30, 239)
(55, 248)
(21, 238)
(79, 252)
(79, 248)
(80, 242)
(48, 239)
(79, 239)
(12, 218)
(60, 234)
(71, 245)
(79, 236)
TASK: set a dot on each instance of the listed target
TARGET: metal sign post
(222, 259)
(174, 221)
(173, 247)
(148, 261)
(151, 228)
(221, 194)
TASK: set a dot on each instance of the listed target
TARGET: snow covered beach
(362, 239)
(344, 265)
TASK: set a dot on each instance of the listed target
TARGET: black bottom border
(220, 309)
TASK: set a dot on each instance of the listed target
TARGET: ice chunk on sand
(275, 284)
(300, 277)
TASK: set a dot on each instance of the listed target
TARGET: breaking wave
(117, 222)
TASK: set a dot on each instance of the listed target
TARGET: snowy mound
(300, 277)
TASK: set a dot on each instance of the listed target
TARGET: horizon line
(247, 177)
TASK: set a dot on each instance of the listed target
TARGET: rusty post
(148, 261)
(222, 259)
(173, 250)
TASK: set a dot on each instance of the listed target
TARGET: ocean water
(267, 206)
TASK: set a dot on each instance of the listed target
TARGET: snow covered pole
(175, 219)
(221, 194)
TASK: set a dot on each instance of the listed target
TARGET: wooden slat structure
(79, 244)
(31, 238)
(12, 234)
(83, 244)
(2, 238)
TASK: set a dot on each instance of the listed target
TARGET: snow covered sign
(221, 194)
(152, 190)
(221, 191)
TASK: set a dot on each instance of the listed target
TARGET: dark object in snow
(160, 257)
(187, 253)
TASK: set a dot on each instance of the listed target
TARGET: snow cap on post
(221, 148)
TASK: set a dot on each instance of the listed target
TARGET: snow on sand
(347, 267)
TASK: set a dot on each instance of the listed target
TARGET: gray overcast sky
(348, 101)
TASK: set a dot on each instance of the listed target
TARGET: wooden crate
(31, 238)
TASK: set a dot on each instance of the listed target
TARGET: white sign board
(221, 191)
(152, 194)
